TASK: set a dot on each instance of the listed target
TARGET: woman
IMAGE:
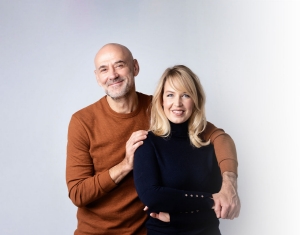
(175, 171)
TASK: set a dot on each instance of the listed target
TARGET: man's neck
(126, 104)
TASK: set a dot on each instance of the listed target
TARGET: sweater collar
(180, 130)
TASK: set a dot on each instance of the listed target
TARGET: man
(102, 139)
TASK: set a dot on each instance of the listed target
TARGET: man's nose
(112, 74)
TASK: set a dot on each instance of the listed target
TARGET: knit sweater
(96, 142)
(172, 176)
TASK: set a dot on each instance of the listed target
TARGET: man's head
(115, 70)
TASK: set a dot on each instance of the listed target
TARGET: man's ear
(136, 67)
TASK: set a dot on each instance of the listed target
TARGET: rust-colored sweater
(96, 142)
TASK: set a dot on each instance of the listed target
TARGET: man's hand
(118, 172)
(135, 141)
(227, 202)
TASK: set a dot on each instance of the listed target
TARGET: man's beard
(115, 95)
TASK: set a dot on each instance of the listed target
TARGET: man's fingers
(139, 135)
(135, 141)
(217, 209)
(224, 212)
(234, 214)
(236, 210)
(136, 137)
(137, 144)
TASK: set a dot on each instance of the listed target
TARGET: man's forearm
(230, 178)
(119, 171)
(227, 202)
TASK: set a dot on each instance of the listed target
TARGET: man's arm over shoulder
(227, 202)
(224, 148)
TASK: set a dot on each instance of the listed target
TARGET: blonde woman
(175, 171)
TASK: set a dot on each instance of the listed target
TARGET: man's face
(115, 71)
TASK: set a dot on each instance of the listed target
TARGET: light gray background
(246, 54)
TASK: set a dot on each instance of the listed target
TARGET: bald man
(102, 139)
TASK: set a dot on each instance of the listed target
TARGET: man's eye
(102, 70)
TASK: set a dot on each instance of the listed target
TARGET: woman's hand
(162, 216)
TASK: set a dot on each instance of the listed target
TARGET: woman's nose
(178, 102)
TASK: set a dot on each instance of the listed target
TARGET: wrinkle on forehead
(114, 48)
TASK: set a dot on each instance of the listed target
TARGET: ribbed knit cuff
(105, 181)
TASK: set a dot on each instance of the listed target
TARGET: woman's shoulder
(150, 142)
(150, 137)
(151, 134)
(153, 138)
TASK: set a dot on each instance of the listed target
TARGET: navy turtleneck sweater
(172, 176)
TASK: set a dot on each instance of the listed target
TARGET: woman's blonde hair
(188, 82)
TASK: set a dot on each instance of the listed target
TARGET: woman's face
(178, 105)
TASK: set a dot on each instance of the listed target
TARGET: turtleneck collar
(180, 129)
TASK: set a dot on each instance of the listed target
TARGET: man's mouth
(115, 82)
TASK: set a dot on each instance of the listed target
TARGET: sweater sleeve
(191, 219)
(84, 185)
(224, 148)
(158, 198)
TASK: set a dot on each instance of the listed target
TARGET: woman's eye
(186, 96)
